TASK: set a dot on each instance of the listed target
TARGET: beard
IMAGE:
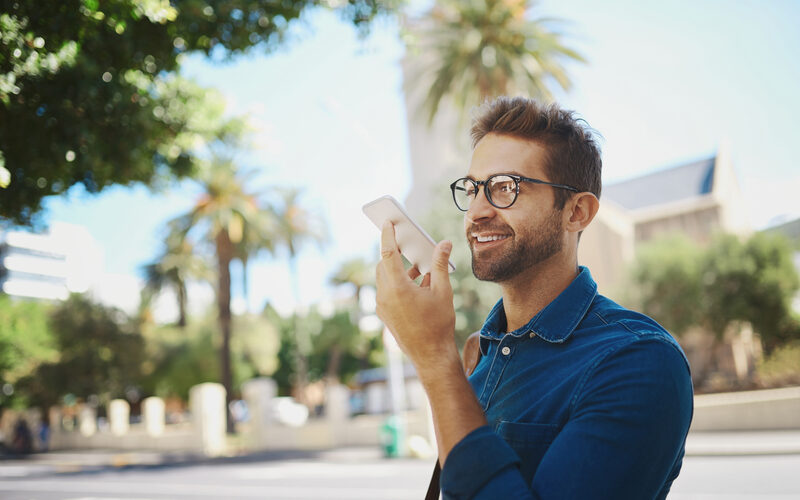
(528, 247)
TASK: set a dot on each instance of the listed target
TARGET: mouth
(486, 240)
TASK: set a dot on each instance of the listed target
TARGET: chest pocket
(529, 441)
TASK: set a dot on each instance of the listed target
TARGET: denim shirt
(587, 400)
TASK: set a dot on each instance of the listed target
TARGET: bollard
(119, 415)
(207, 402)
(153, 415)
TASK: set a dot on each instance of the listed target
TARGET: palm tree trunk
(302, 340)
(334, 362)
(224, 257)
(182, 298)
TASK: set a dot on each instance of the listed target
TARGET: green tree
(341, 349)
(753, 281)
(180, 358)
(357, 273)
(89, 93)
(668, 274)
(100, 352)
(296, 227)
(173, 268)
(26, 341)
(338, 351)
(682, 285)
(226, 214)
(486, 48)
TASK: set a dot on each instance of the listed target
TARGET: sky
(665, 83)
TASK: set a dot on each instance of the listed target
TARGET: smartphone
(412, 241)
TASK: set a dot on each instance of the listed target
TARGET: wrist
(440, 367)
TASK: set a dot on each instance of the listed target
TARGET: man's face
(506, 242)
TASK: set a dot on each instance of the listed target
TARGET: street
(339, 474)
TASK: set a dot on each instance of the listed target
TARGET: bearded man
(574, 396)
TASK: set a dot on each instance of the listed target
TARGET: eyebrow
(508, 172)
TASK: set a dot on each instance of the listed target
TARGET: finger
(440, 277)
(390, 255)
(413, 273)
(388, 242)
(426, 280)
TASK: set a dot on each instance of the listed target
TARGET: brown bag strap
(471, 356)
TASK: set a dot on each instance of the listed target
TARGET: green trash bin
(392, 436)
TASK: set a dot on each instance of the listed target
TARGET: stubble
(528, 247)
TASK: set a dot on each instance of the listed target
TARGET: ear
(581, 208)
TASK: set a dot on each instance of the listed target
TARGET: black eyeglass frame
(517, 179)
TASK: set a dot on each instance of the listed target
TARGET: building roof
(665, 186)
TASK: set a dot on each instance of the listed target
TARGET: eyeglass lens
(500, 189)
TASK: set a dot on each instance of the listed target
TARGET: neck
(534, 289)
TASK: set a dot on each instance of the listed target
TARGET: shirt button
(506, 350)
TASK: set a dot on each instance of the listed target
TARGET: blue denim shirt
(587, 400)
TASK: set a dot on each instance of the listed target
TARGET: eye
(468, 187)
(503, 185)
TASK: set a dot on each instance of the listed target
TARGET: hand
(421, 318)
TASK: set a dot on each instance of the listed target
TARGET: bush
(781, 367)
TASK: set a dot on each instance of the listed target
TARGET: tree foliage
(682, 285)
(485, 48)
(26, 340)
(89, 90)
(177, 264)
(100, 353)
(338, 348)
(179, 358)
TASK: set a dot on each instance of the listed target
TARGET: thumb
(440, 277)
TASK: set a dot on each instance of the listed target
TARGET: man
(574, 396)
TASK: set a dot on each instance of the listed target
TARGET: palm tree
(173, 268)
(234, 221)
(478, 49)
(296, 226)
(357, 273)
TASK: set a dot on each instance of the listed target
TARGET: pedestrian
(573, 396)
(22, 441)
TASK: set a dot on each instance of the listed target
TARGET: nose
(480, 208)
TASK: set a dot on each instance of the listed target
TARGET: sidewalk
(719, 443)
(698, 444)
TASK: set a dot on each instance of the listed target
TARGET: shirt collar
(556, 322)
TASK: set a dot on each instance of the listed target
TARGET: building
(696, 199)
(51, 265)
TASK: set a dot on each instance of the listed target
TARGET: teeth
(484, 239)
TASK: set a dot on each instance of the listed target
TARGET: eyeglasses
(500, 189)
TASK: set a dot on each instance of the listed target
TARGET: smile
(488, 238)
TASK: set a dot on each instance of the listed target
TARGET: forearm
(456, 411)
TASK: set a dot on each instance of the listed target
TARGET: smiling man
(574, 396)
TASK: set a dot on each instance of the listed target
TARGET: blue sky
(666, 82)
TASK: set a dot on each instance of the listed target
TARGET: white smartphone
(412, 241)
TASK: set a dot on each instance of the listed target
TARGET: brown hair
(573, 156)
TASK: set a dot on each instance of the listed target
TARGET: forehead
(496, 154)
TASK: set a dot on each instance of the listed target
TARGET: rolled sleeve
(477, 460)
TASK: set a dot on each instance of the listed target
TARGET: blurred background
(181, 187)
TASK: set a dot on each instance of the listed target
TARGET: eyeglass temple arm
(538, 181)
